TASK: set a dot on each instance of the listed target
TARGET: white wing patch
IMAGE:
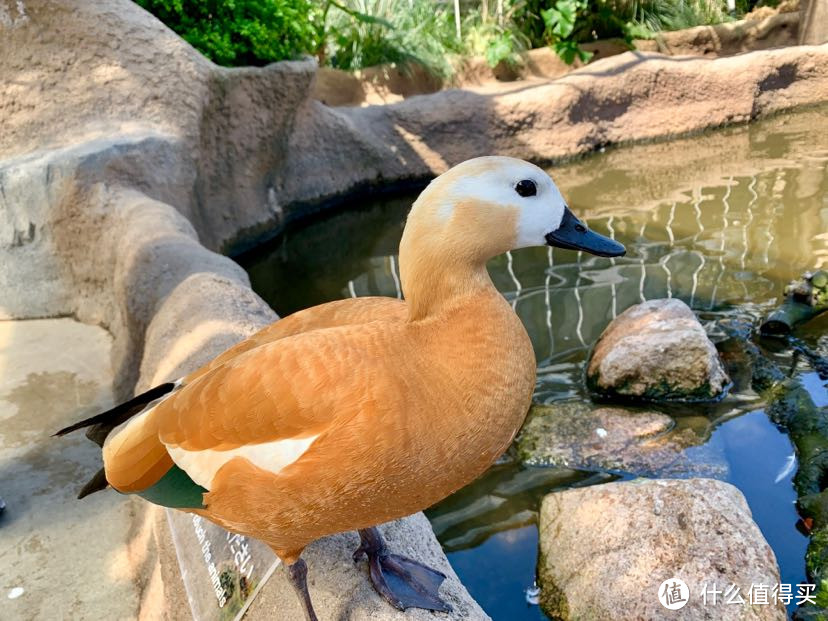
(202, 466)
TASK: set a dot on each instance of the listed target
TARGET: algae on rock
(614, 439)
(790, 406)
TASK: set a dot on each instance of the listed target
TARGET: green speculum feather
(175, 490)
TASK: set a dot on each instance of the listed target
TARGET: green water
(722, 221)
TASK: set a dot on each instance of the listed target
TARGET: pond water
(722, 221)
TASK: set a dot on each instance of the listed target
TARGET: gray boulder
(657, 351)
(643, 443)
(607, 549)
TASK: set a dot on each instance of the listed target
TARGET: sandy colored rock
(643, 443)
(765, 11)
(657, 351)
(606, 549)
(766, 30)
(353, 597)
(814, 29)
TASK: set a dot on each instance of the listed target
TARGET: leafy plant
(568, 23)
(372, 32)
(500, 49)
(352, 34)
(498, 39)
(241, 32)
(560, 25)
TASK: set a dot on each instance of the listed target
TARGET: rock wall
(814, 30)
(747, 35)
(127, 160)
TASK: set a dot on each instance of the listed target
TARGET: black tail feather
(105, 422)
(102, 424)
(95, 484)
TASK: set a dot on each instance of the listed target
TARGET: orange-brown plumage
(357, 412)
(142, 457)
(408, 438)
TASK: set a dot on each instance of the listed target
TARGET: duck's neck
(435, 281)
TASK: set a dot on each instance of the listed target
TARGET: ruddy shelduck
(357, 412)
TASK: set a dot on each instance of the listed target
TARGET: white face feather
(538, 215)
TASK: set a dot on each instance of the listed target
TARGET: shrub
(352, 34)
(564, 24)
(363, 33)
(242, 32)
(497, 40)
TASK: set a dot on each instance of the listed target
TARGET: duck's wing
(353, 311)
(281, 394)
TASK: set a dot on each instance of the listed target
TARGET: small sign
(222, 571)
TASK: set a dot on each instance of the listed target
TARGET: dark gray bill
(574, 235)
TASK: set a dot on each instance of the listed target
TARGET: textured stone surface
(776, 30)
(643, 443)
(606, 549)
(53, 372)
(814, 30)
(340, 588)
(657, 350)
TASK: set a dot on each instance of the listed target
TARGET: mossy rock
(613, 439)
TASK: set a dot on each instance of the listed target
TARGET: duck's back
(135, 457)
(352, 311)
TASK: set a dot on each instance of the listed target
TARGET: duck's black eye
(526, 188)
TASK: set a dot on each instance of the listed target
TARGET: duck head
(489, 205)
(484, 207)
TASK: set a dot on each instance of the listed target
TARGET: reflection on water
(722, 221)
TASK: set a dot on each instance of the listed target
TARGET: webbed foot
(403, 582)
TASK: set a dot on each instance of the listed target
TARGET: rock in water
(607, 549)
(641, 443)
(657, 351)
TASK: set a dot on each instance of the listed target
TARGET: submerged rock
(606, 550)
(657, 351)
(643, 443)
(805, 298)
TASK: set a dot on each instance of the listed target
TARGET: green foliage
(679, 14)
(569, 23)
(352, 34)
(499, 40)
(364, 33)
(501, 48)
(560, 22)
(241, 32)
